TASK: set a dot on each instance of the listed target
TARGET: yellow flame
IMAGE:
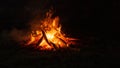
(52, 30)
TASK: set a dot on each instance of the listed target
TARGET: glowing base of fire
(46, 41)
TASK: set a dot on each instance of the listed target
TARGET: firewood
(44, 35)
(54, 45)
(62, 40)
(40, 40)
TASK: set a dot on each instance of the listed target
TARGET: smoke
(18, 35)
(12, 36)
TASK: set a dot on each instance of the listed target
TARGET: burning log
(48, 41)
(55, 46)
(62, 40)
(40, 40)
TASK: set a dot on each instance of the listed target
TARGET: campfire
(48, 36)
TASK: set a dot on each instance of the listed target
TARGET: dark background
(93, 22)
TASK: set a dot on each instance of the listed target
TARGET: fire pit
(48, 36)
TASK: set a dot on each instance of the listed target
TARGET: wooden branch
(40, 40)
(53, 45)
(62, 40)
(45, 37)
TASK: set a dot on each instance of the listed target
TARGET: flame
(49, 35)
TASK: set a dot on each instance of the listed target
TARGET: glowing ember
(49, 35)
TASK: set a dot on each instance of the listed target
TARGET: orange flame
(49, 35)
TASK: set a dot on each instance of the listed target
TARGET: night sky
(94, 22)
